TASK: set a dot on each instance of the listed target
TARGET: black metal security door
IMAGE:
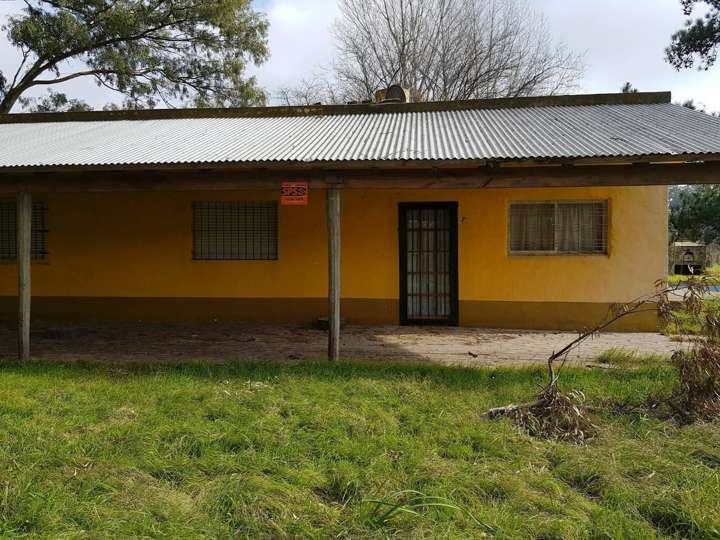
(428, 263)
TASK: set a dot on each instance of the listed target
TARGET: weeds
(683, 324)
(414, 503)
(630, 359)
(696, 393)
(697, 396)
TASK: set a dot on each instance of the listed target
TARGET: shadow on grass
(457, 377)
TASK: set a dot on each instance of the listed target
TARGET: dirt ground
(226, 342)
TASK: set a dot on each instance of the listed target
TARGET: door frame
(403, 208)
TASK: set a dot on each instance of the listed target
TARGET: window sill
(555, 254)
(233, 260)
(7, 262)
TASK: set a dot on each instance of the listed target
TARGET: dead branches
(558, 416)
(553, 416)
(697, 396)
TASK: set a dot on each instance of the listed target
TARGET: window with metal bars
(560, 227)
(235, 231)
(8, 231)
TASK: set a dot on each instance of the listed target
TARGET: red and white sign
(294, 193)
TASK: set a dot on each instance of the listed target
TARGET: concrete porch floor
(151, 342)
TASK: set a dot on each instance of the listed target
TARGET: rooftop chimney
(393, 94)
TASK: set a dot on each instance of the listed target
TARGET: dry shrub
(563, 417)
(556, 416)
(697, 397)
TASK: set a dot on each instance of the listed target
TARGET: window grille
(235, 231)
(558, 228)
(8, 231)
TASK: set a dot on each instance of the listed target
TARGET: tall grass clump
(692, 315)
(697, 394)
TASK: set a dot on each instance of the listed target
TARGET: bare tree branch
(448, 50)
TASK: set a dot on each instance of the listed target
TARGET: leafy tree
(175, 52)
(628, 88)
(53, 102)
(700, 38)
(695, 213)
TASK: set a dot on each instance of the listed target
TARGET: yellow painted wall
(637, 246)
(140, 245)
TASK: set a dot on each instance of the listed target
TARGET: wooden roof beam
(481, 177)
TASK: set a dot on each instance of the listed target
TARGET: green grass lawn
(688, 325)
(274, 451)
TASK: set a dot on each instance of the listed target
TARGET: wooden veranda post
(24, 253)
(333, 225)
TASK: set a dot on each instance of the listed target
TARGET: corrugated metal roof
(519, 133)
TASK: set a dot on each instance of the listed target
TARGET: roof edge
(336, 167)
(638, 98)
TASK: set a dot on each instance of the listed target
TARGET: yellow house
(525, 213)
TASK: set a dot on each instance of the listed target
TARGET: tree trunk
(8, 102)
(6, 105)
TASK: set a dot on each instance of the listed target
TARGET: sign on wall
(294, 193)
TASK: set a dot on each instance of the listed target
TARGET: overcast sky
(622, 41)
